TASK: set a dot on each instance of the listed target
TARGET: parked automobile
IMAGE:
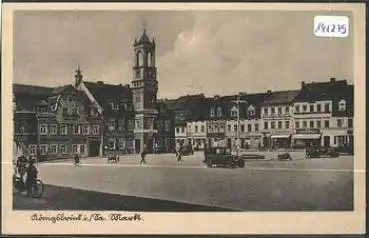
(187, 150)
(315, 152)
(222, 157)
(284, 156)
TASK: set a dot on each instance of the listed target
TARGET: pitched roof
(32, 90)
(320, 91)
(281, 97)
(104, 93)
(189, 107)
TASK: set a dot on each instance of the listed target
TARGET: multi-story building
(277, 119)
(323, 114)
(164, 139)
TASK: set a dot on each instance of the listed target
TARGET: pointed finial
(144, 27)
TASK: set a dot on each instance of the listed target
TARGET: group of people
(144, 153)
(26, 167)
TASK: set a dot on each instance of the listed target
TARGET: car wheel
(209, 165)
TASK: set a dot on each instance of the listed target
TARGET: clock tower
(144, 90)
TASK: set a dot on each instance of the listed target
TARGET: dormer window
(251, 111)
(234, 111)
(212, 112)
(114, 106)
(219, 112)
(342, 105)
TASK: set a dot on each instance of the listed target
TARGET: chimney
(332, 80)
(303, 84)
(100, 82)
(269, 92)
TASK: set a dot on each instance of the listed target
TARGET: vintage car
(252, 157)
(187, 150)
(316, 152)
(284, 156)
(222, 157)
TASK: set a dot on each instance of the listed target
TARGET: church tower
(144, 90)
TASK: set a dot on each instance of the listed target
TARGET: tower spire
(78, 76)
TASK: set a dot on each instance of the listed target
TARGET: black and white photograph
(184, 111)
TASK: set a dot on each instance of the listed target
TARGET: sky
(210, 52)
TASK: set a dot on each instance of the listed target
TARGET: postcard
(181, 118)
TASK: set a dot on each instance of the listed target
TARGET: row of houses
(319, 113)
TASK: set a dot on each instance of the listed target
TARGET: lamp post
(238, 101)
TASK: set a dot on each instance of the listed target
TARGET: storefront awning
(279, 136)
(306, 136)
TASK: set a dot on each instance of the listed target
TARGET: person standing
(179, 152)
(76, 159)
(143, 155)
(32, 173)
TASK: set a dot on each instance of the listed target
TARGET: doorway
(137, 146)
(326, 141)
(94, 148)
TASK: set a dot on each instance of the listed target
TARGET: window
(297, 124)
(63, 149)
(210, 128)
(32, 150)
(138, 98)
(287, 110)
(76, 129)
(85, 130)
(279, 110)
(216, 128)
(311, 107)
(304, 108)
(297, 108)
(122, 143)
(251, 111)
(339, 122)
(272, 125)
(342, 105)
(167, 125)
(279, 125)
(202, 128)
(319, 108)
(235, 128)
(121, 124)
(212, 112)
(318, 124)
(114, 106)
(272, 110)
(242, 128)
(266, 125)
(53, 129)
(229, 128)
(219, 112)
(304, 124)
(266, 111)
(196, 129)
(82, 149)
(93, 112)
(43, 129)
(75, 148)
(256, 127)
(182, 129)
(95, 129)
(53, 149)
(350, 122)
(311, 124)
(63, 129)
(130, 125)
(111, 124)
(234, 111)
(326, 124)
(326, 107)
(287, 124)
(43, 149)
(249, 127)
(177, 129)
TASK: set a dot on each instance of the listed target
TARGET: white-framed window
(63, 129)
(114, 106)
(63, 149)
(219, 112)
(53, 149)
(85, 130)
(122, 143)
(95, 129)
(32, 149)
(43, 129)
(76, 129)
(177, 130)
(75, 148)
(53, 129)
(212, 112)
(111, 124)
(43, 149)
(251, 111)
(342, 105)
(82, 149)
(234, 111)
(93, 112)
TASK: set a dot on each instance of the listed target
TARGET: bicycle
(37, 188)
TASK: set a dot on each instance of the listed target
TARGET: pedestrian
(143, 155)
(179, 152)
(32, 173)
(76, 159)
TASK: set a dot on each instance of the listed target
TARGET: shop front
(280, 141)
(306, 138)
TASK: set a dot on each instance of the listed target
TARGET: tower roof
(144, 39)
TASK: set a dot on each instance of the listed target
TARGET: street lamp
(238, 101)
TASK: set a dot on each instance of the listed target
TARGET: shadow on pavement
(63, 198)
